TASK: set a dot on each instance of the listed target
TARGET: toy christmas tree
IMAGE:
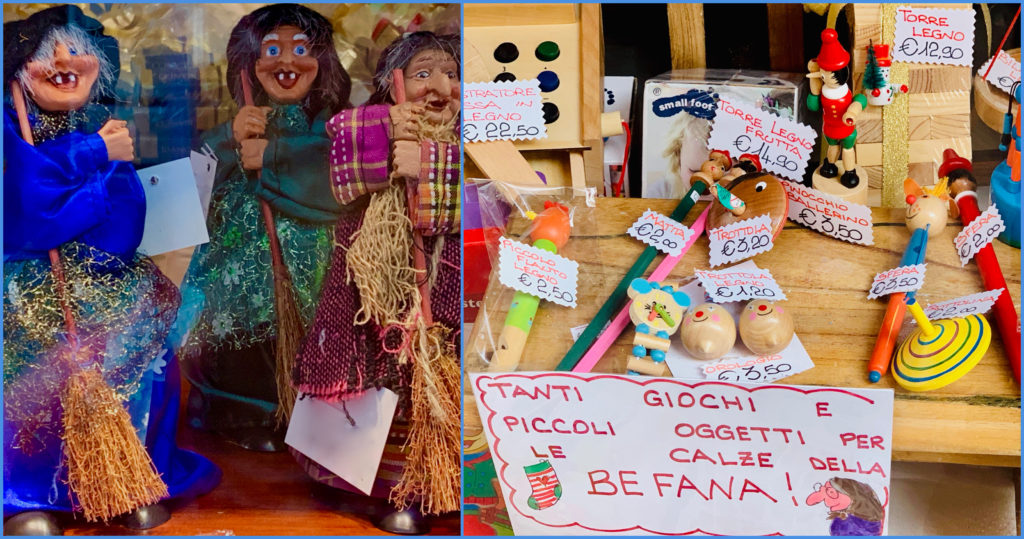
(873, 78)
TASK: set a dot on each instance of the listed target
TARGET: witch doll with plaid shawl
(91, 390)
(251, 291)
(389, 312)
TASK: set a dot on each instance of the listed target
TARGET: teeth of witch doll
(389, 311)
(90, 388)
(247, 295)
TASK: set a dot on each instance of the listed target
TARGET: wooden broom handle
(55, 265)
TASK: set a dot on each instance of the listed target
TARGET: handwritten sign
(934, 36)
(829, 215)
(737, 285)
(978, 233)
(979, 303)
(668, 456)
(739, 240)
(783, 146)
(901, 279)
(502, 111)
(537, 272)
(664, 234)
(1005, 71)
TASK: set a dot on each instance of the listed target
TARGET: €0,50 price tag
(901, 279)
(664, 234)
(537, 272)
(979, 303)
(978, 233)
(740, 240)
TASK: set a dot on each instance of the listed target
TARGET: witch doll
(90, 388)
(389, 311)
(250, 292)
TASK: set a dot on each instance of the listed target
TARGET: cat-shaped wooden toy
(657, 312)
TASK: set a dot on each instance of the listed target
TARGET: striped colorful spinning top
(938, 354)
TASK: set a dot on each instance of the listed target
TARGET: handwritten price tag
(760, 369)
(934, 36)
(829, 215)
(737, 285)
(783, 145)
(1004, 72)
(901, 279)
(664, 234)
(502, 111)
(978, 233)
(740, 240)
(979, 303)
(537, 272)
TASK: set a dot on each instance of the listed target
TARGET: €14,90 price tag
(829, 215)
(740, 240)
(784, 146)
(502, 111)
(738, 285)
(934, 36)
(901, 279)
(978, 233)
(978, 303)
(537, 272)
(664, 234)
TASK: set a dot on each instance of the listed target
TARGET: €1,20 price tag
(537, 272)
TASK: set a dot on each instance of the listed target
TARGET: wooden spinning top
(766, 328)
(761, 194)
(708, 331)
(938, 354)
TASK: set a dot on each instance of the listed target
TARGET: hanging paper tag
(502, 111)
(537, 272)
(901, 279)
(784, 146)
(978, 233)
(740, 240)
(934, 36)
(664, 234)
(1005, 71)
(738, 285)
(829, 215)
(174, 213)
(979, 303)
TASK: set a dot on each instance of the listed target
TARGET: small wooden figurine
(708, 331)
(657, 312)
(938, 354)
(747, 196)
(766, 328)
(929, 206)
(831, 94)
(876, 87)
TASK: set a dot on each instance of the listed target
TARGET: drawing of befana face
(60, 76)
(432, 80)
(830, 496)
(286, 68)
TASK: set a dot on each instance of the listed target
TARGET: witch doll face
(60, 76)
(432, 80)
(285, 68)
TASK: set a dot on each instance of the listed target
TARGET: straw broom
(109, 470)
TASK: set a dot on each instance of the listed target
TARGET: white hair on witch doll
(85, 65)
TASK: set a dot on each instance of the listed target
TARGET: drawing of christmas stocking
(544, 483)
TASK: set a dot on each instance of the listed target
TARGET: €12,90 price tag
(829, 215)
(934, 36)
(901, 279)
(664, 234)
(502, 111)
(978, 303)
(738, 285)
(740, 240)
(978, 233)
(537, 272)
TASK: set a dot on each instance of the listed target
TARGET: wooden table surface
(975, 420)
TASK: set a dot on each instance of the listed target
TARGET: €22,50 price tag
(537, 272)
(978, 233)
(978, 303)
(740, 240)
(664, 234)
(901, 279)
(502, 111)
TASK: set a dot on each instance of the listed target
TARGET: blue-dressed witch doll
(90, 389)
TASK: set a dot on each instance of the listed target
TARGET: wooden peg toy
(765, 327)
(930, 207)
(713, 169)
(940, 353)
(709, 331)
(657, 311)
(760, 194)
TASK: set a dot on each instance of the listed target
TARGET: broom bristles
(109, 470)
(290, 330)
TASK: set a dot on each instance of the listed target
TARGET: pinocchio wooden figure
(657, 312)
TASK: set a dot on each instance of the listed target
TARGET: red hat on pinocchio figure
(952, 161)
(833, 56)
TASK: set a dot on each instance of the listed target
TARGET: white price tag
(760, 369)
(738, 285)
(829, 215)
(978, 233)
(502, 111)
(664, 234)
(537, 272)
(934, 36)
(740, 240)
(1004, 72)
(901, 279)
(979, 303)
(783, 146)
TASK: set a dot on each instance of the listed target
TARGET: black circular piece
(547, 51)
(550, 112)
(548, 81)
(506, 52)
(504, 76)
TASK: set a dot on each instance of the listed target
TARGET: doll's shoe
(144, 518)
(33, 523)
(409, 521)
(262, 439)
(828, 170)
(850, 179)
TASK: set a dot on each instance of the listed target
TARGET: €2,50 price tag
(901, 279)
(978, 303)
(664, 234)
(537, 272)
(740, 240)
(978, 233)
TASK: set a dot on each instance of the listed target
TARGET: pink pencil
(621, 320)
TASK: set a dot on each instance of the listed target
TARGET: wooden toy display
(657, 311)
(938, 354)
(765, 327)
(708, 331)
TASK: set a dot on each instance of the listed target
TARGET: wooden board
(975, 420)
(686, 35)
